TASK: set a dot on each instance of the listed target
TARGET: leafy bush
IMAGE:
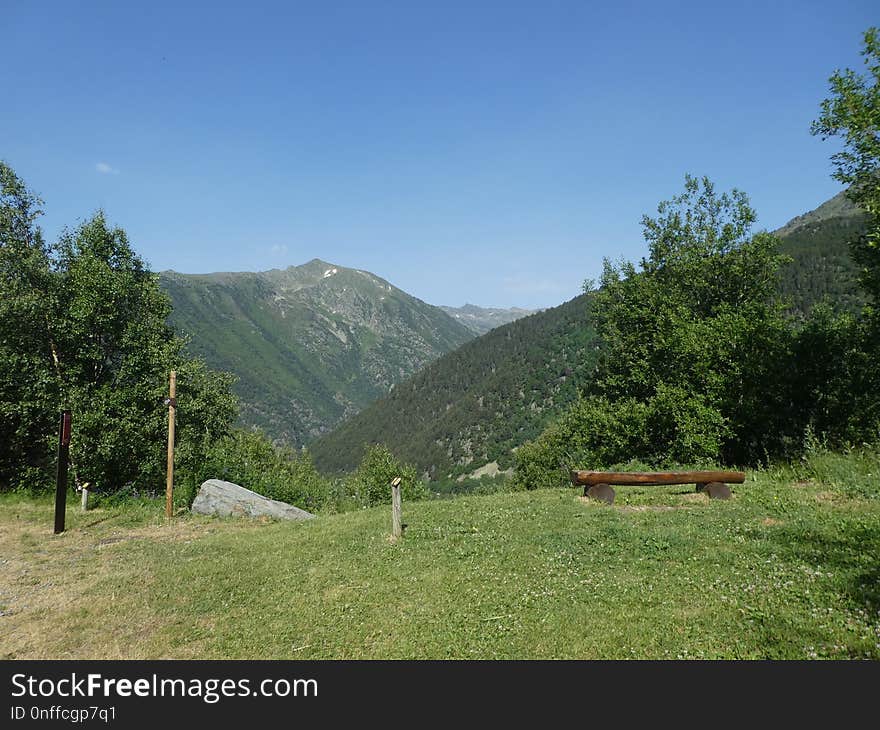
(371, 483)
(837, 379)
(682, 428)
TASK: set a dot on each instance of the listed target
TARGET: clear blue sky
(489, 152)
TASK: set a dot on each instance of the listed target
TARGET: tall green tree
(852, 114)
(694, 354)
(84, 327)
(700, 317)
(28, 389)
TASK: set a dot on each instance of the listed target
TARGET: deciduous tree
(84, 327)
(852, 114)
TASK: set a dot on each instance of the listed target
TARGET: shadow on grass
(853, 555)
(851, 559)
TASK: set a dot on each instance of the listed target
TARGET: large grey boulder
(225, 499)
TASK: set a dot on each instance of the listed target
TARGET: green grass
(788, 569)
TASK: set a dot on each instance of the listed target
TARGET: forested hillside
(474, 405)
(818, 243)
(309, 344)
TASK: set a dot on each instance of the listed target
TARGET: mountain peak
(314, 263)
(315, 267)
(839, 206)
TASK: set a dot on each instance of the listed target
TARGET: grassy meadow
(787, 569)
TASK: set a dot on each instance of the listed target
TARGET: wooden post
(396, 524)
(85, 498)
(61, 478)
(169, 478)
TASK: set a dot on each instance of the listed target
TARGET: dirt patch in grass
(698, 497)
(47, 581)
(770, 522)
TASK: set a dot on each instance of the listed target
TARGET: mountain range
(474, 405)
(313, 344)
(482, 319)
(310, 344)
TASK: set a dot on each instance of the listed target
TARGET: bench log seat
(597, 484)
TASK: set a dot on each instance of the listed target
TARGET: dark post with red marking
(61, 482)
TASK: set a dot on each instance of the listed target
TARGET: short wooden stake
(85, 499)
(169, 477)
(396, 523)
(61, 476)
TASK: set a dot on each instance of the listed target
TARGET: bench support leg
(717, 490)
(600, 492)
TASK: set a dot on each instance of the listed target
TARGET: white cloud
(106, 169)
(278, 249)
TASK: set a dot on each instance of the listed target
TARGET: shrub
(673, 427)
(371, 483)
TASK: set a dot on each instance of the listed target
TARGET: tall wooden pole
(169, 479)
(396, 523)
(61, 480)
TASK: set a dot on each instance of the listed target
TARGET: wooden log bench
(597, 484)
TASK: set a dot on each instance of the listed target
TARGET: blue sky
(485, 152)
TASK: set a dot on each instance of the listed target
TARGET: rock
(225, 499)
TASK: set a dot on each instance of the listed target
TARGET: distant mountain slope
(482, 319)
(474, 405)
(837, 207)
(818, 243)
(310, 344)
